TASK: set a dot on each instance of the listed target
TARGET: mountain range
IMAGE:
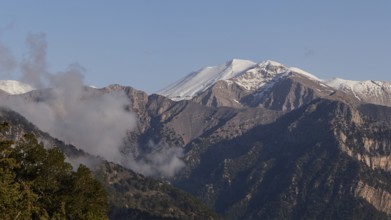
(245, 83)
(248, 140)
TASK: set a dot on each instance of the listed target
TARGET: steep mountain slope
(131, 195)
(268, 84)
(134, 196)
(261, 141)
(198, 81)
(256, 163)
(162, 120)
(297, 167)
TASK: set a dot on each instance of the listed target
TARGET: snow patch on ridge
(259, 75)
(201, 80)
(302, 72)
(14, 87)
(360, 89)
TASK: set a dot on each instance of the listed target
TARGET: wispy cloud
(94, 121)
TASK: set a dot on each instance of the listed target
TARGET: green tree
(9, 188)
(36, 183)
(88, 200)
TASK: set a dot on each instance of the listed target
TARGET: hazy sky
(150, 44)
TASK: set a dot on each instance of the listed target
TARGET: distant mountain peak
(269, 63)
(259, 75)
(258, 78)
(245, 73)
(376, 92)
(199, 81)
(240, 62)
(303, 73)
(14, 87)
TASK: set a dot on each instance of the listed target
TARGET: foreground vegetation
(37, 183)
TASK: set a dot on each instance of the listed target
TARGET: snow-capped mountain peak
(202, 79)
(303, 73)
(378, 92)
(259, 75)
(247, 74)
(14, 87)
(259, 78)
(269, 63)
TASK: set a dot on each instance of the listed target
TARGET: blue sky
(150, 44)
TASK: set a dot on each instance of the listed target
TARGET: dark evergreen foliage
(36, 183)
(134, 196)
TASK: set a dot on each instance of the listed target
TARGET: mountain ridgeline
(257, 140)
(108, 190)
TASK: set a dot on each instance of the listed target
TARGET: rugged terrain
(258, 141)
(130, 195)
(251, 163)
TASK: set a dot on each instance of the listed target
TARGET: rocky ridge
(270, 83)
(270, 143)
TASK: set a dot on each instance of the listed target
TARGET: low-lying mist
(94, 121)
